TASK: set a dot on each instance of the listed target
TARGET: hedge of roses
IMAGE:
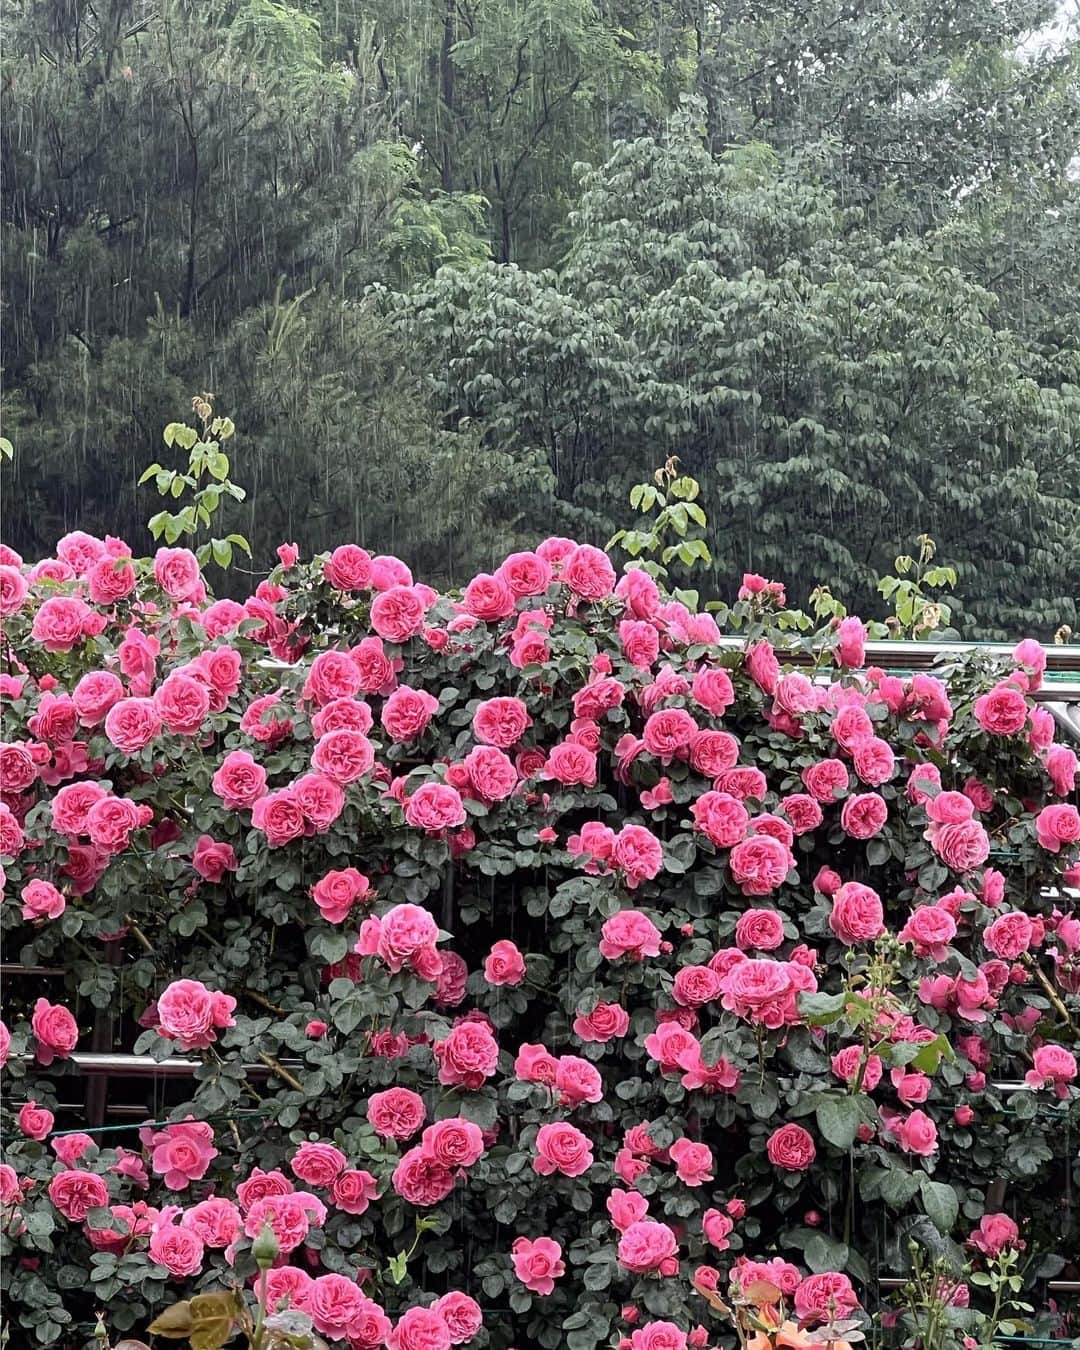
(548, 964)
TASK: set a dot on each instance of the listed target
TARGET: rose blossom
(1003, 711)
(435, 807)
(864, 815)
(41, 900)
(857, 914)
(189, 1013)
(76, 1193)
(353, 1191)
(693, 1162)
(562, 1147)
(500, 722)
(35, 1121)
(647, 1245)
(759, 929)
(827, 1297)
(994, 1233)
(420, 1180)
(318, 1164)
(602, 1024)
(629, 933)
(55, 1030)
(791, 1148)
(467, 1056)
(504, 964)
(760, 864)
(1057, 825)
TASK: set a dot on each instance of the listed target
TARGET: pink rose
(420, 1180)
(526, 574)
(333, 675)
(562, 1148)
(760, 865)
(1055, 1067)
(713, 752)
(95, 694)
(693, 1162)
(930, 929)
(333, 1303)
(791, 1148)
(802, 811)
(453, 1143)
(668, 733)
(864, 815)
(1003, 711)
(463, 1315)
(407, 713)
(827, 1297)
(625, 1208)
(467, 1056)
(212, 859)
(588, 572)
(537, 1264)
(279, 817)
(571, 764)
(189, 1013)
(353, 1191)
(318, 1164)
(857, 914)
(14, 588)
(35, 1121)
(55, 1030)
(435, 807)
(722, 818)
(605, 1022)
(504, 964)
(629, 933)
(716, 1227)
(646, 1246)
(343, 755)
(759, 929)
(1057, 825)
(660, 1336)
(132, 723)
(994, 1233)
(712, 690)
(176, 571)
(962, 846)
(63, 621)
(827, 780)
(182, 1153)
(76, 1193)
(501, 722)
(638, 854)
(41, 900)
(536, 1064)
(398, 613)
(349, 568)
(762, 666)
(337, 892)
(874, 761)
(420, 1329)
(488, 598)
(577, 1081)
(287, 1285)
(397, 1113)
(1009, 936)
(491, 773)
(916, 1133)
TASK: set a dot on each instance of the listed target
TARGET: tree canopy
(460, 271)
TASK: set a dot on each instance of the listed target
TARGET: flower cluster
(556, 956)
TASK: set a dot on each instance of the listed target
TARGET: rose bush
(545, 961)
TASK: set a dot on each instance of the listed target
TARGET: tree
(835, 393)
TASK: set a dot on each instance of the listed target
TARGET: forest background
(462, 271)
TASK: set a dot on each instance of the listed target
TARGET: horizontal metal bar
(13, 968)
(145, 1066)
(1054, 1286)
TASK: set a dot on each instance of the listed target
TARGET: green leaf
(940, 1203)
(838, 1119)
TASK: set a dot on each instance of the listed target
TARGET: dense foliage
(594, 964)
(855, 293)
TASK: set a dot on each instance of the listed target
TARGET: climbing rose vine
(549, 964)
